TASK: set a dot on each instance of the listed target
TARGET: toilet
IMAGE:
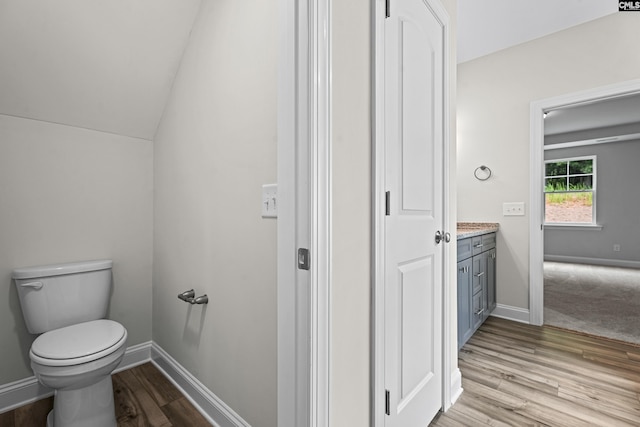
(77, 349)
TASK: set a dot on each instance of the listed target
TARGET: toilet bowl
(77, 362)
(78, 348)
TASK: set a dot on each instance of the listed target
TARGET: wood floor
(521, 375)
(143, 398)
(512, 374)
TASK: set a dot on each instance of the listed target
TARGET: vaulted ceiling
(486, 26)
(96, 64)
(109, 65)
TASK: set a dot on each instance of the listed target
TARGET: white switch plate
(270, 201)
(513, 209)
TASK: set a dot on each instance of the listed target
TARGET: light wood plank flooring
(520, 375)
(512, 374)
(143, 398)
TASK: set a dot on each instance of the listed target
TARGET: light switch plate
(270, 201)
(513, 209)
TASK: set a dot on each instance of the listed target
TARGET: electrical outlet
(513, 209)
(270, 201)
(616, 248)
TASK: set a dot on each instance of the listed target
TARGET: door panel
(414, 177)
(417, 362)
(416, 116)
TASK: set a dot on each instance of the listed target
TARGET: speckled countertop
(470, 229)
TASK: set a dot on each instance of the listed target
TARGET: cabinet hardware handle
(479, 312)
(480, 274)
(478, 245)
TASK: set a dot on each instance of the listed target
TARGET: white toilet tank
(55, 296)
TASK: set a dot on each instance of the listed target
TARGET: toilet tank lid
(60, 269)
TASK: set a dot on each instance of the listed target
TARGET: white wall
(494, 95)
(71, 194)
(215, 147)
(351, 208)
(351, 147)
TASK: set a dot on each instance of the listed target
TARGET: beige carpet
(602, 301)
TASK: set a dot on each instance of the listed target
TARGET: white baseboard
(593, 261)
(207, 403)
(28, 390)
(456, 388)
(21, 392)
(134, 356)
(508, 312)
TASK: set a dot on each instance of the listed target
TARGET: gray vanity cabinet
(476, 283)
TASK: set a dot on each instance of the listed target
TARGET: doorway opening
(572, 128)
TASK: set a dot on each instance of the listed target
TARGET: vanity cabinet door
(476, 283)
(465, 250)
(465, 303)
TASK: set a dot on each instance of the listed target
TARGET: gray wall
(72, 194)
(617, 206)
(215, 147)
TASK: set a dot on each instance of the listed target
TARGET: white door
(414, 138)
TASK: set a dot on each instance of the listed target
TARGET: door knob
(440, 236)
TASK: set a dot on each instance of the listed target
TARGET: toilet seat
(78, 344)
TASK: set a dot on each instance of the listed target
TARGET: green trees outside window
(569, 191)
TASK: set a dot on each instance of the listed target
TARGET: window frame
(593, 190)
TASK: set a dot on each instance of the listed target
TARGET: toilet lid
(78, 341)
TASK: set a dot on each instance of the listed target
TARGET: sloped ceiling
(486, 26)
(106, 65)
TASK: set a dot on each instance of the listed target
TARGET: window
(569, 191)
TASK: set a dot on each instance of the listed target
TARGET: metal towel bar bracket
(186, 295)
(190, 297)
(203, 299)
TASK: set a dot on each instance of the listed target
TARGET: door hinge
(387, 203)
(303, 259)
(387, 402)
(387, 8)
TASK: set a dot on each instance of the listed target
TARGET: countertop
(471, 229)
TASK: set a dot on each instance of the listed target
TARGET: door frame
(536, 185)
(304, 220)
(450, 379)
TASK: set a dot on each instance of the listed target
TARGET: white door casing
(414, 130)
(303, 212)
